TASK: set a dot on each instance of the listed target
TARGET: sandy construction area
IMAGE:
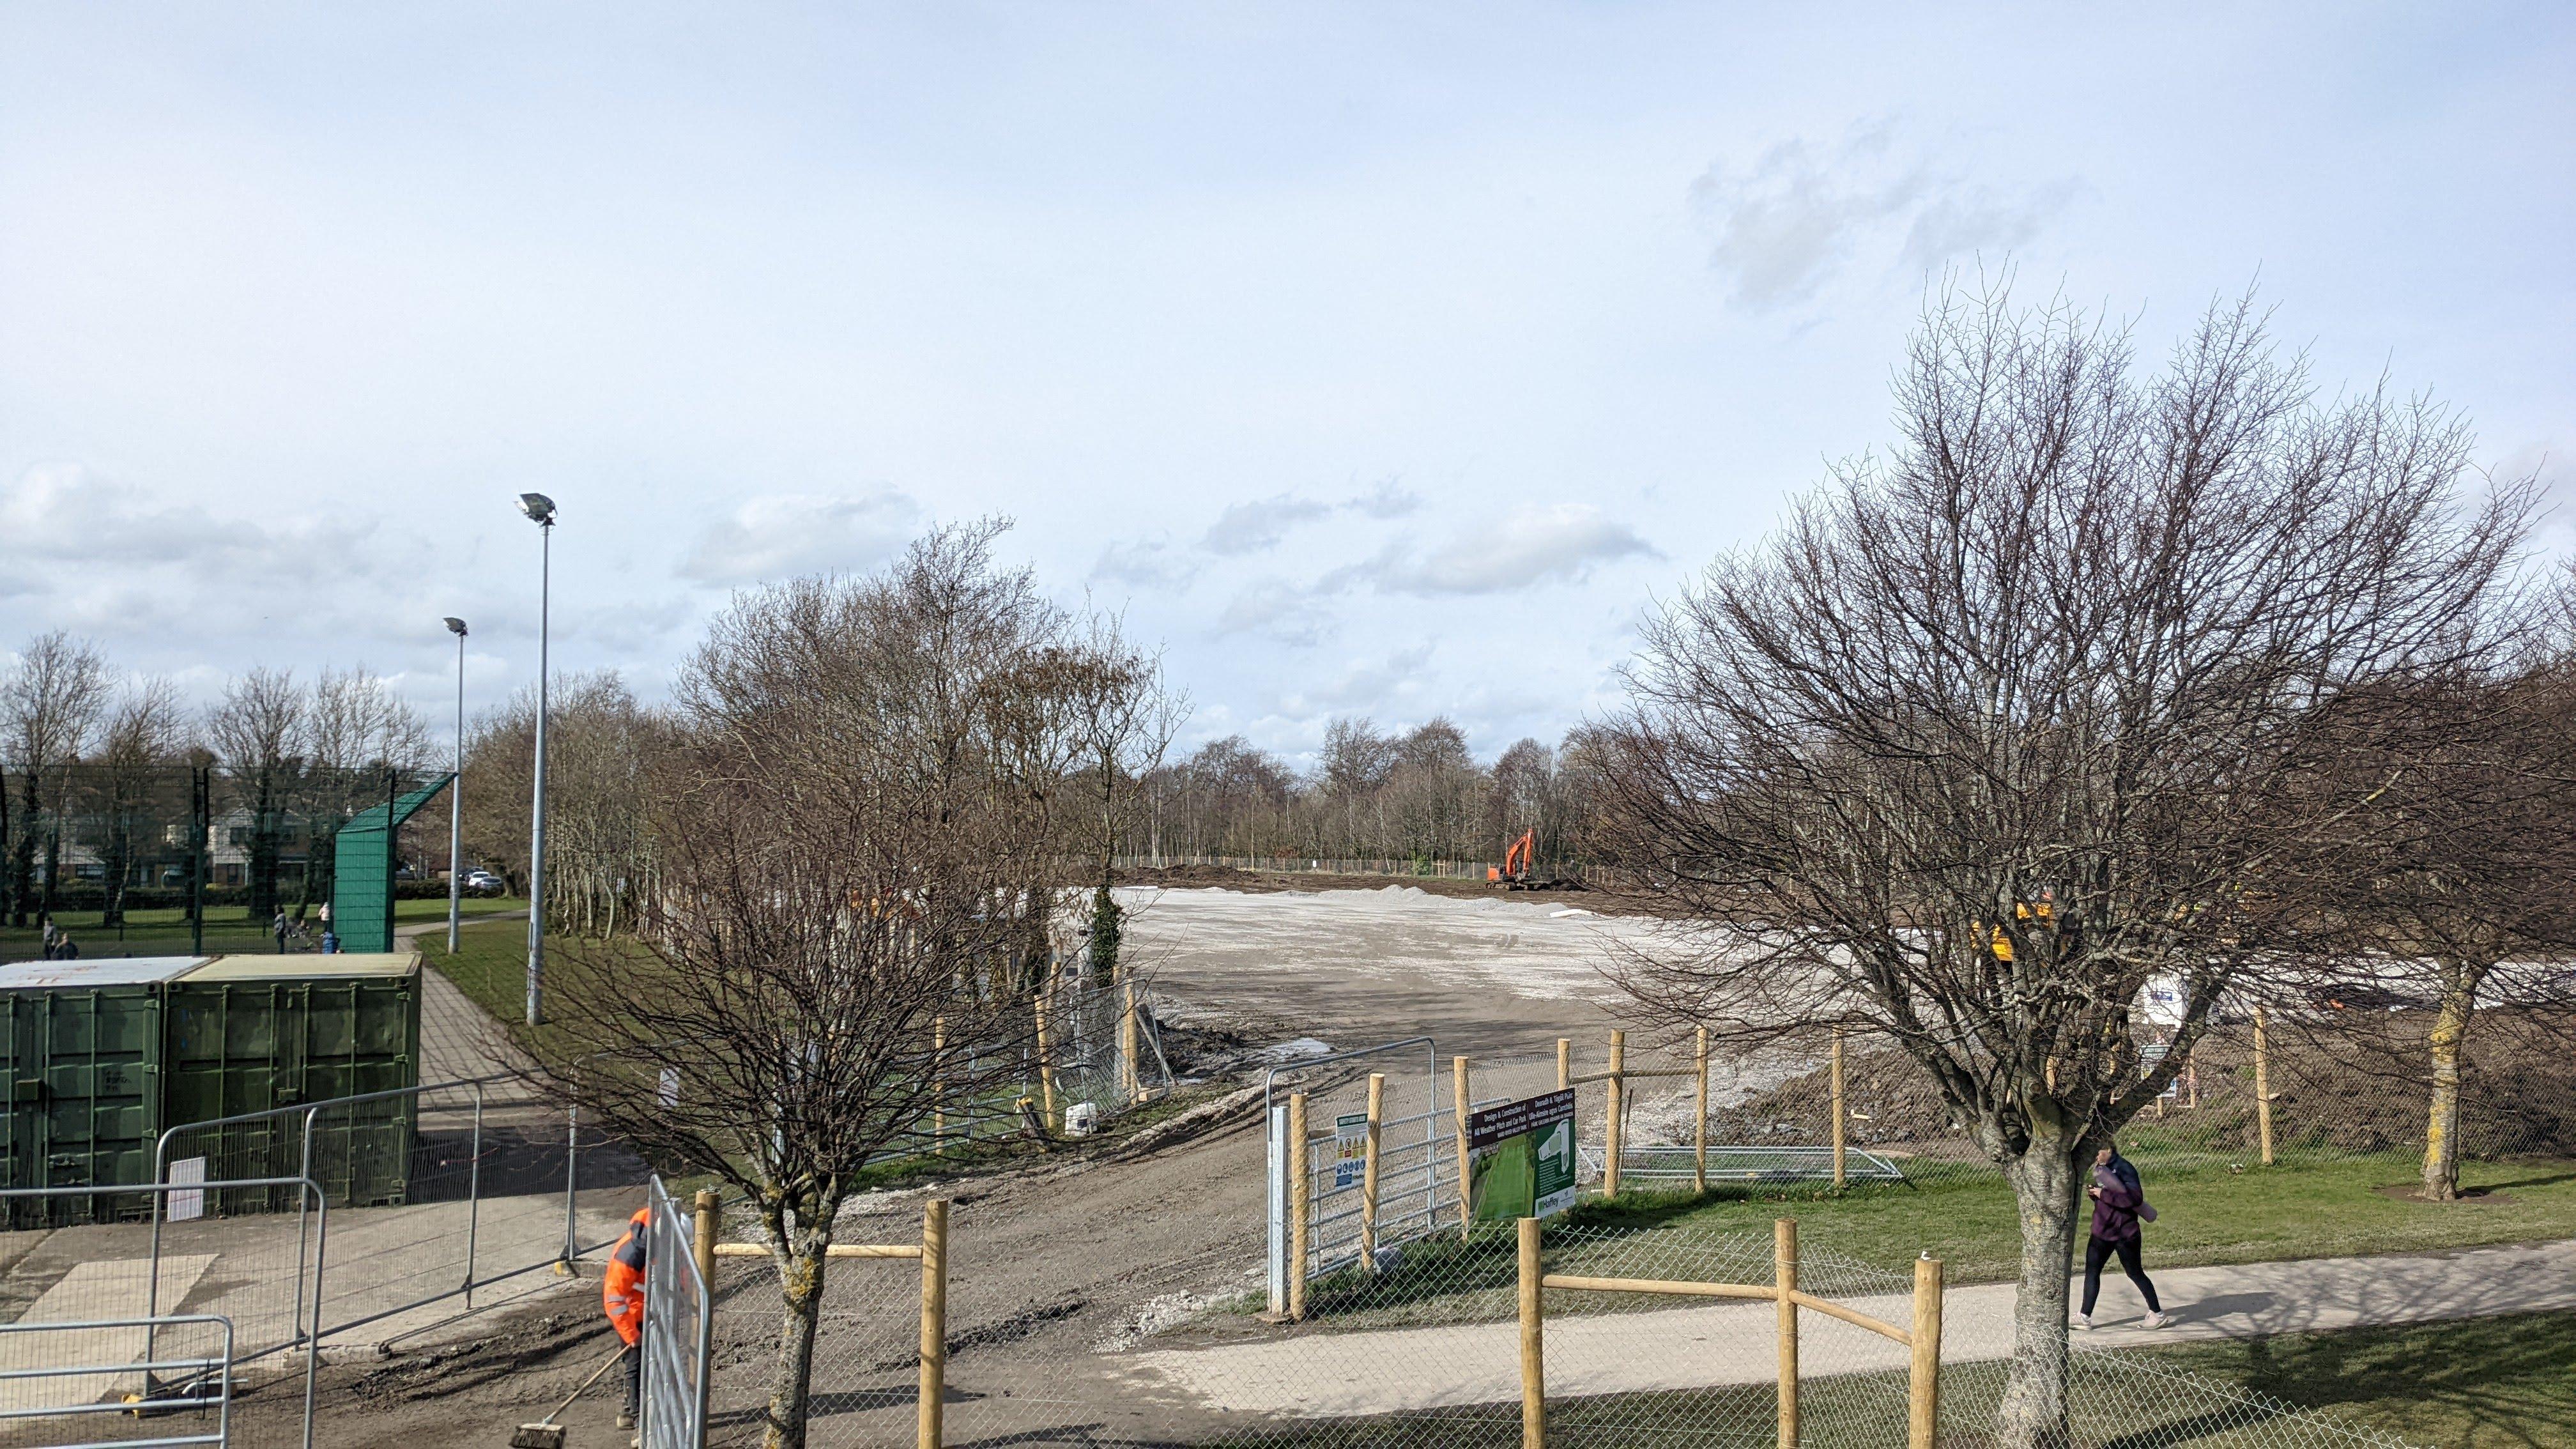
(1493, 975)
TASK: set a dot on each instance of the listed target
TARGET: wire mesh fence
(213, 1322)
(157, 860)
(1424, 1351)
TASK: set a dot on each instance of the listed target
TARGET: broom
(546, 1433)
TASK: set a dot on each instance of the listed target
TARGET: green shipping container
(255, 1033)
(102, 1056)
(82, 1052)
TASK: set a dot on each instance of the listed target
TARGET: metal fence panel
(678, 1317)
(207, 1318)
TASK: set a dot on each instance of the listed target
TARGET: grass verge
(2479, 1383)
(2209, 1215)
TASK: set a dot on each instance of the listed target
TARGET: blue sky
(1381, 359)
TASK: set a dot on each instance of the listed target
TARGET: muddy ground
(1057, 1255)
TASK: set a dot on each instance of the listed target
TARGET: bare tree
(1123, 717)
(259, 731)
(363, 743)
(146, 734)
(2031, 711)
(851, 828)
(49, 707)
(2455, 879)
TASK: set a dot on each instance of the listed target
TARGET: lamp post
(541, 511)
(456, 796)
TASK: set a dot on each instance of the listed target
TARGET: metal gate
(110, 1326)
(677, 1321)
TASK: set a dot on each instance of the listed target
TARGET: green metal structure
(362, 872)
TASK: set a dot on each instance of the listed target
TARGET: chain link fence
(1425, 1352)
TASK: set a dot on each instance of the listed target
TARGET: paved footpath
(458, 1039)
(1385, 1370)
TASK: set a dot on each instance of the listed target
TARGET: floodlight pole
(541, 509)
(456, 799)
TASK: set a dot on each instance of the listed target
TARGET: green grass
(2208, 1215)
(164, 931)
(2480, 1383)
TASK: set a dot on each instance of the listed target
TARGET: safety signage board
(1350, 1148)
(1520, 1158)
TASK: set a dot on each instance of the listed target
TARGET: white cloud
(65, 513)
(1275, 609)
(1146, 563)
(784, 535)
(1378, 685)
(1252, 527)
(1976, 219)
(1555, 544)
(1782, 226)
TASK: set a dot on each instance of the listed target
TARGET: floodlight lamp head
(539, 508)
(456, 627)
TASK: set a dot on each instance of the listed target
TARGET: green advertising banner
(1520, 1158)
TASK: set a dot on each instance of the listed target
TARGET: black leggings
(2097, 1252)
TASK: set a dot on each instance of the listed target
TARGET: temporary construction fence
(1553, 1334)
(264, 1222)
(678, 1317)
(100, 1351)
(492, 1192)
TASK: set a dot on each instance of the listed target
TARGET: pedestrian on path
(279, 927)
(2119, 1204)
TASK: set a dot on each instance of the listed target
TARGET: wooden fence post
(1784, 1278)
(2262, 1089)
(1618, 1096)
(1368, 1173)
(1130, 1040)
(1564, 1064)
(1533, 1342)
(1046, 1072)
(1841, 1116)
(1699, 1133)
(702, 1245)
(1923, 1386)
(1462, 1103)
(1301, 1188)
(934, 1321)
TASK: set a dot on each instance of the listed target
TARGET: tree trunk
(791, 1379)
(2442, 1130)
(1103, 953)
(2033, 1414)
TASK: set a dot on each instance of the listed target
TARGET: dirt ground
(1056, 1256)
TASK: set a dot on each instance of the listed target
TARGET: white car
(481, 882)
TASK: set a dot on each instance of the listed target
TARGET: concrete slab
(99, 1290)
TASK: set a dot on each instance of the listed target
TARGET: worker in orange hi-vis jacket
(621, 1297)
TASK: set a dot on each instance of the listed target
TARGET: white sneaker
(2084, 1320)
(2154, 1320)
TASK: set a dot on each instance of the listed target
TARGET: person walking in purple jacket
(2118, 1206)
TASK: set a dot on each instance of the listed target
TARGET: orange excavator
(1514, 873)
